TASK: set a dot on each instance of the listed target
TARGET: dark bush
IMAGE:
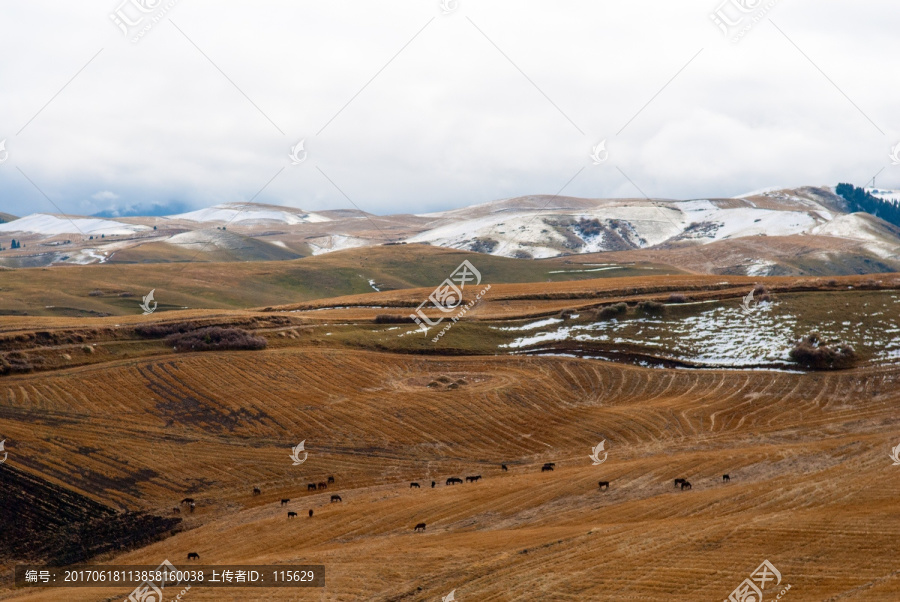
(95, 293)
(653, 307)
(761, 293)
(392, 319)
(215, 338)
(611, 311)
(813, 353)
(677, 298)
(566, 314)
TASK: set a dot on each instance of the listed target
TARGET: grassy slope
(66, 290)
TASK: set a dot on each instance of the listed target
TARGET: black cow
(192, 555)
(176, 510)
(473, 478)
(323, 485)
(187, 500)
(336, 498)
(685, 485)
(725, 478)
(433, 484)
(546, 467)
(285, 501)
(256, 491)
(678, 482)
(420, 526)
(454, 480)
(331, 479)
(604, 484)
(310, 513)
(411, 485)
(311, 487)
(503, 467)
(292, 514)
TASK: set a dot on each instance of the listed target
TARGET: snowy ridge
(52, 225)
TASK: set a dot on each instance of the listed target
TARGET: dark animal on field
(550, 464)
(187, 500)
(193, 555)
(323, 485)
(725, 478)
(176, 510)
(472, 479)
(678, 482)
(256, 491)
(503, 467)
(292, 514)
(411, 485)
(420, 526)
(454, 480)
(311, 487)
(331, 479)
(604, 484)
(193, 505)
(433, 484)
(336, 498)
(285, 501)
(685, 485)
(545, 468)
(310, 513)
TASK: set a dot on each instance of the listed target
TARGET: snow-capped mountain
(793, 222)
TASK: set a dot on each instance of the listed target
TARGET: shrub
(761, 293)
(566, 314)
(813, 353)
(215, 338)
(651, 306)
(611, 311)
(677, 298)
(95, 293)
(392, 319)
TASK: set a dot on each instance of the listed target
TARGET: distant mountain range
(775, 231)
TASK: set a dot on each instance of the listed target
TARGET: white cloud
(450, 121)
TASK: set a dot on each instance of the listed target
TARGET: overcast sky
(403, 108)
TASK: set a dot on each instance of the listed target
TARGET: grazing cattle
(331, 479)
(311, 487)
(604, 484)
(678, 482)
(187, 500)
(336, 498)
(256, 491)
(192, 506)
(292, 514)
(420, 526)
(433, 484)
(454, 480)
(323, 485)
(472, 479)
(176, 510)
(411, 485)
(310, 513)
(546, 467)
(503, 467)
(685, 485)
(193, 555)
(725, 478)
(285, 501)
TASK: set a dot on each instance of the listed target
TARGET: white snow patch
(47, 224)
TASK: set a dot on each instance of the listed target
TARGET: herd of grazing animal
(547, 467)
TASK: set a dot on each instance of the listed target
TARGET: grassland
(132, 425)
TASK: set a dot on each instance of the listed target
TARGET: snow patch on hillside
(237, 213)
(50, 225)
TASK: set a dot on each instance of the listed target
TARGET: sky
(420, 106)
